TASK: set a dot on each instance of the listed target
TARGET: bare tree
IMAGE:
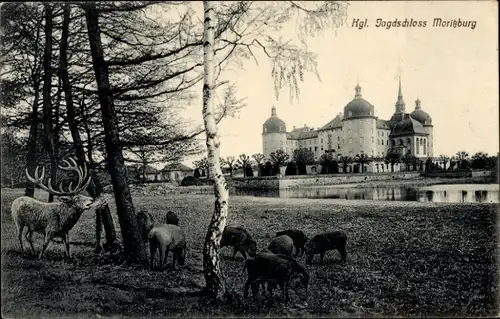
(260, 159)
(231, 164)
(444, 159)
(132, 240)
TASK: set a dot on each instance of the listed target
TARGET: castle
(357, 131)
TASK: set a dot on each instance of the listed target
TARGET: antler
(71, 165)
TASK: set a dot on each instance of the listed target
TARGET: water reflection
(466, 193)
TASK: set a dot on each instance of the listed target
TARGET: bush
(291, 169)
(249, 171)
(191, 181)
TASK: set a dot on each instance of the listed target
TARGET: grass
(404, 259)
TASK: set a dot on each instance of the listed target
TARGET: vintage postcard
(249, 159)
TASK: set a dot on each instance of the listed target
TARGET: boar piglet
(298, 237)
(240, 239)
(276, 270)
(324, 242)
(167, 238)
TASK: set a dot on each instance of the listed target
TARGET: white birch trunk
(215, 283)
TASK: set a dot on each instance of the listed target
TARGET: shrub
(190, 181)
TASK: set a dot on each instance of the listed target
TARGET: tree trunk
(31, 146)
(95, 188)
(215, 283)
(47, 103)
(132, 241)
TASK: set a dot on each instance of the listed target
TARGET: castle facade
(357, 131)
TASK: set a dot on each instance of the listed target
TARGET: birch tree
(215, 284)
(250, 26)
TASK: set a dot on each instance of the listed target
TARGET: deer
(54, 219)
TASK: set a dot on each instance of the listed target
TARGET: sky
(454, 72)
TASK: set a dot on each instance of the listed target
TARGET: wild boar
(282, 245)
(241, 241)
(172, 218)
(276, 270)
(324, 242)
(298, 237)
(167, 238)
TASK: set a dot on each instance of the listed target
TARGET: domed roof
(274, 124)
(358, 107)
(408, 126)
(420, 115)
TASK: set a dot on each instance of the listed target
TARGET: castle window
(321, 147)
(350, 140)
(338, 138)
(387, 142)
(400, 142)
(378, 142)
(315, 148)
(373, 139)
(321, 141)
(361, 140)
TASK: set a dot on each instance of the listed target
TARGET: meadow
(404, 259)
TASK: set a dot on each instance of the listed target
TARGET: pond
(452, 193)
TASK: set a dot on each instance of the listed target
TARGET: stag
(52, 219)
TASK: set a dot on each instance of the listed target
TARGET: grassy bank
(404, 259)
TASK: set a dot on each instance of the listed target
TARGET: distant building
(176, 172)
(357, 131)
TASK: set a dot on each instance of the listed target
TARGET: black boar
(281, 245)
(240, 239)
(172, 218)
(298, 237)
(167, 237)
(276, 270)
(145, 223)
(322, 243)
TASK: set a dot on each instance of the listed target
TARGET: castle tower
(359, 127)
(425, 119)
(274, 135)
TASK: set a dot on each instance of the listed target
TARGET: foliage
(191, 181)
(249, 171)
(231, 164)
(392, 158)
(260, 159)
(13, 159)
(362, 159)
(303, 157)
(328, 163)
(278, 158)
(345, 161)
(409, 159)
(244, 161)
(291, 168)
(481, 160)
